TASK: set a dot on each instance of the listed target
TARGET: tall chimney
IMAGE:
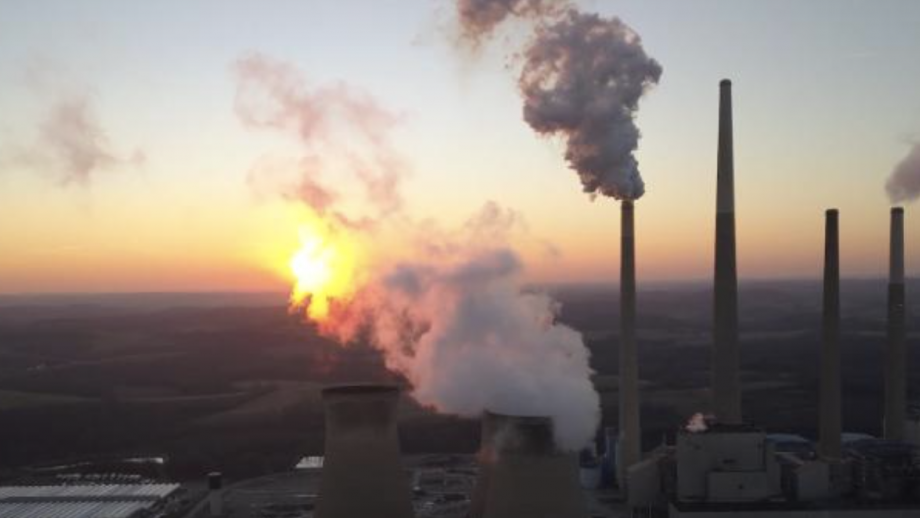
(829, 414)
(726, 386)
(522, 474)
(630, 438)
(896, 353)
(362, 474)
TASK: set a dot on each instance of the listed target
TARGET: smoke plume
(904, 183)
(446, 308)
(581, 79)
(479, 18)
(466, 336)
(344, 133)
(72, 144)
(697, 423)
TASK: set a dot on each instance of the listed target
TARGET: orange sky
(187, 219)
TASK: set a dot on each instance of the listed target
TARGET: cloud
(72, 144)
(344, 135)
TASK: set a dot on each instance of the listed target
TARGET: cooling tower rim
(359, 389)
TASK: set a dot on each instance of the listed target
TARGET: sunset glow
(143, 182)
(323, 269)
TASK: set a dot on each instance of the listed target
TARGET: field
(231, 382)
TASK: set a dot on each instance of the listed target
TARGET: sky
(825, 105)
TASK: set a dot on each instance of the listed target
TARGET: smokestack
(726, 386)
(362, 474)
(896, 353)
(829, 414)
(215, 496)
(630, 439)
(522, 474)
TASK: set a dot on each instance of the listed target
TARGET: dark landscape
(231, 381)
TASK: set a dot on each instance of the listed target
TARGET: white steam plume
(72, 144)
(450, 314)
(340, 128)
(904, 183)
(469, 339)
(582, 78)
(479, 18)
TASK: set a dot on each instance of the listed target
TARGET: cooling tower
(829, 426)
(726, 386)
(362, 474)
(896, 352)
(522, 474)
(630, 438)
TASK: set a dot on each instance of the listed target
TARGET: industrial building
(718, 466)
(722, 466)
(88, 501)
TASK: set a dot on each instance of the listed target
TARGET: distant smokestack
(362, 474)
(896, 353)
(726, 386)
(830, 426)
(630, 438)
(215, 496)
(522, 474)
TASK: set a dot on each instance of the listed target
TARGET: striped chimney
(630, 438)
(829, 427)
(726, 386)
(896, 352)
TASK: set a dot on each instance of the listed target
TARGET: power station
(720, 465)
(725, 466)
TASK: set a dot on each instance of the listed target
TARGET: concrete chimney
(726, 386)
(215, 494)
(829, 412)
(896, 352)
(362, 474)
(630, 437)
(522, 474)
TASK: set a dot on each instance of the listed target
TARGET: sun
(323, 269)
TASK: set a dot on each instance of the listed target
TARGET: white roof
(71, 509)
(90, 492)
(310, 463)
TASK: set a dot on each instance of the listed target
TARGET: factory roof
(75, 509)
(82, 501)
(133, 492)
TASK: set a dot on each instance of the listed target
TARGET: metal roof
(79, 509)
(81, 501)
(146, 492)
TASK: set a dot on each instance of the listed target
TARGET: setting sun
(323, 270)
